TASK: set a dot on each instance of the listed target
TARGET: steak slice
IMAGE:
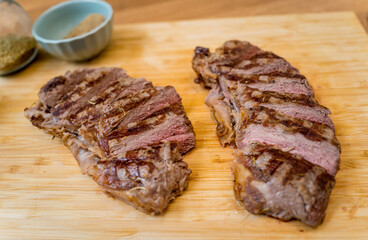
(279, 184)
(125, 133)
(147, 178)
(287, 153)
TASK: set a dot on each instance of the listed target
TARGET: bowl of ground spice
(75, 30)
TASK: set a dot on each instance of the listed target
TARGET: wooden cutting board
(43, 195)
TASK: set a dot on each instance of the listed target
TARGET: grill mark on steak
(321, 153)
(125, 173)
(148, 183)
(53, 83)
(137, 128)
(117, 114)
(171, 126)
(264, 97)
(125, 133)
(164, 97)
(104, 132)
(287, 152)
(121, 131)
(266, 67)
(67, 103)
(269, 78)
(265, 160)
(59, 86)
(271, 118)
(83, 108)
(113, 114)
(137, 165)
(286, 87)
(123, 91)
(240, 94)
(261, 54)
(280, 184)
(140, 100)
(135, 86)
(91, 89)
(315, 114)
(72, 97)
(175, 108)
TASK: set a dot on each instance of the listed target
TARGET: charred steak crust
(125, 133)
(281, 185)
(287, 152)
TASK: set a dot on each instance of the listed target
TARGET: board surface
(43, 195)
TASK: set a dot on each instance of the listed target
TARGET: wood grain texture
(44, 195)
(138, 11)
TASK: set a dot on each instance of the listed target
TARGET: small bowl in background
(54, 24)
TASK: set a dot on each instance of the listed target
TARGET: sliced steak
(267, 109)
(125, 133)
(315, 142)
(147, 178)
(281, 185)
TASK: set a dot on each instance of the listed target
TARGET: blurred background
(137, 11)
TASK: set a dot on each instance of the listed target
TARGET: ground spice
(15, 50)
(88, 24)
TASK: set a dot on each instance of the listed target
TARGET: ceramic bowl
(51, 27)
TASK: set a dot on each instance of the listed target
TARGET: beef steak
(125, 133)
(287, 153)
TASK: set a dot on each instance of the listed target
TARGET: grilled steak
(286, 152)
(125, 133)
